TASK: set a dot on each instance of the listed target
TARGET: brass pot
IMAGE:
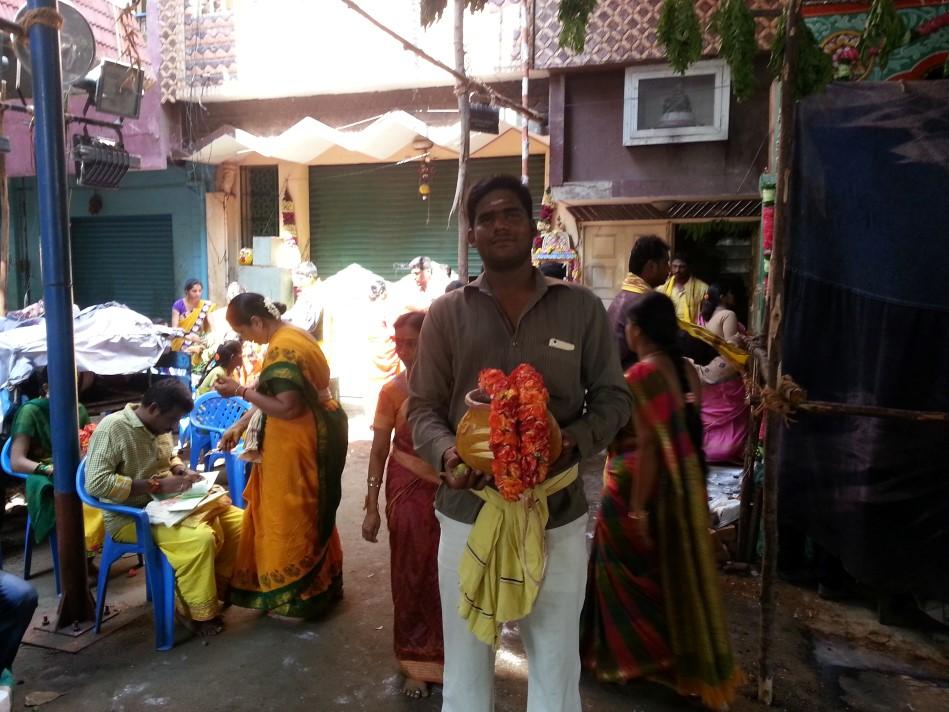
(473, 437)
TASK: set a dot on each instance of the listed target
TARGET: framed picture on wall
(660, 106)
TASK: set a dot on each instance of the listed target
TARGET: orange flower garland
(85, 434)
(532, 424)
(520, 437)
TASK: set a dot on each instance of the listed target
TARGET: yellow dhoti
(202, 557)
(94, 527)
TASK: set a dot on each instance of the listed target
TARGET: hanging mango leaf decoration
(884, 32)
(815, 68)
(679, 33)
(574, 16)
(733, 23)
(431, 11)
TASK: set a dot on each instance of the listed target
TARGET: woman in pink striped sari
(413, 530)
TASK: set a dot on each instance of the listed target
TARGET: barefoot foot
(208, 629)
(415, 689)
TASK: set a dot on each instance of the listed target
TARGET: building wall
(587, 145)
(178, 191)
(252, 49)
(624, 32)
(151, 137)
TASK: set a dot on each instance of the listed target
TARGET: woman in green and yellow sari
(32, 453)
(190, 314)
(290, 561)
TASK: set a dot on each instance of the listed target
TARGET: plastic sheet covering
(867, 322)
(724, 494)
(110, 339)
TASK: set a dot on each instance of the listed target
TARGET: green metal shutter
(125, 259)
(372, 214)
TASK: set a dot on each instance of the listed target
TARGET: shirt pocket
(560, 367)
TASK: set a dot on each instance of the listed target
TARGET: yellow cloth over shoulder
(635, 284)
(502, 567)
(733, 353)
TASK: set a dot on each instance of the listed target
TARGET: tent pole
(464, 148)
(779, 252)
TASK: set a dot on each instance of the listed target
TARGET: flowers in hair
(271, 308)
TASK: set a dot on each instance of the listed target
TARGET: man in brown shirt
(648, 269)
(512, 314)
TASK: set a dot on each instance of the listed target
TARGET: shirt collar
(132, 417)
(541, 284)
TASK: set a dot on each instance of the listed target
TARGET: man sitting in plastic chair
(130, 459)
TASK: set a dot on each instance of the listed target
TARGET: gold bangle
(373, 483)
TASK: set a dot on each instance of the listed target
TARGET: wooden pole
(525, 89)
(779, 252)
(748, 488)
(469, 83)
(464, 121)
(4, 223)
(869, 411)
(873, 411)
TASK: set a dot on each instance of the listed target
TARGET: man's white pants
(551, 633)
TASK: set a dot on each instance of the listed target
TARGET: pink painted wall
(152, 136)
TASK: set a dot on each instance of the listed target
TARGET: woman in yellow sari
(190, 314)
(290, 561)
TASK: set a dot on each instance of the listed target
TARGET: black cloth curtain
(867, 322)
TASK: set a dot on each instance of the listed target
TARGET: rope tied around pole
(788, 398)
(783, 400)
(46, 16)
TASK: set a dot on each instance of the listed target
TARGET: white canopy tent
(387, 139)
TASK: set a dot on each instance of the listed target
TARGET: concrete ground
(346, 663)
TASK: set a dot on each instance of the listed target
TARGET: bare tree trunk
(464, 122)
(779, 252)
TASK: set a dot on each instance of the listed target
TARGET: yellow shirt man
(685, 291)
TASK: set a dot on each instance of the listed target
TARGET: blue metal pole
(76, 603)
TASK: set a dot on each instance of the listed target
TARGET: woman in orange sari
(413, 530)
(290, 561)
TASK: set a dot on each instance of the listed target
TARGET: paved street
(346, 661)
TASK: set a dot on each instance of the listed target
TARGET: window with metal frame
(260, 203)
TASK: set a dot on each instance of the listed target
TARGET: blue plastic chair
(159, 576)
(212, 415)
(236, 470)
(28, 533)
